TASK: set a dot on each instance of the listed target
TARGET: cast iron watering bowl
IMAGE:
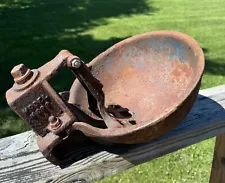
(155, 75)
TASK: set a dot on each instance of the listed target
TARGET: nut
(55, 122)
(19, 71)
(21, 74)
(76, 63)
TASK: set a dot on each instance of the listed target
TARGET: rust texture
(135, 91)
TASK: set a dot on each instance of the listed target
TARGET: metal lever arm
(90, 83)
(82, 73)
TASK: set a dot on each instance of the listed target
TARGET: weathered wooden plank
(20, 160)
(218, 166)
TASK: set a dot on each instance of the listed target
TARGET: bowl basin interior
(150, 75)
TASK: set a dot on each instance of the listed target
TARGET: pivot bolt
(21, 74)
(76, 63)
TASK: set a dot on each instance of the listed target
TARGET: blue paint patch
(140, 64)
(157, 45)
(163, 47)
(108, 64)
(179, 52)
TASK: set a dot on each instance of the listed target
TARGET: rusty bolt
(20, 73)
(76, 63)
(55, 122)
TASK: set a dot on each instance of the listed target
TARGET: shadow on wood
(21, 161)
(70, 153)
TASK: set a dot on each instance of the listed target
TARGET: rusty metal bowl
(155, 75)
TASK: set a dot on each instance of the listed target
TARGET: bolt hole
(118, 112)
(133, 122)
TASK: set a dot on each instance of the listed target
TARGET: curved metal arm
(91, 84)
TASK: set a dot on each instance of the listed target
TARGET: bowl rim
(98, 132)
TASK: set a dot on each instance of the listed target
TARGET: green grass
(33, 31)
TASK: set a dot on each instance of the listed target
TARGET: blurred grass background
(34, 31)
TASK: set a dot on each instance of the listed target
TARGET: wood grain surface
(218, 165)
(20, 160)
